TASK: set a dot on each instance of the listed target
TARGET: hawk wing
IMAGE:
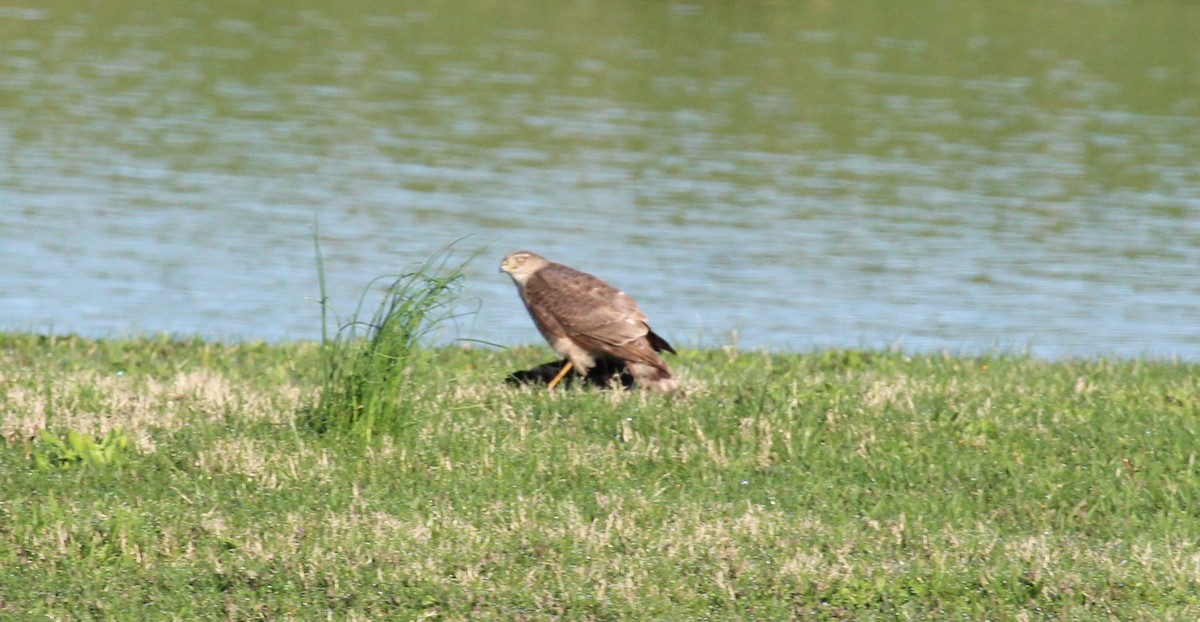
(595, 315)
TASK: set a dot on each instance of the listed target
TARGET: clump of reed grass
(370, 368)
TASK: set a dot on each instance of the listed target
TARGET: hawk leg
(600, 376)
(561, 374)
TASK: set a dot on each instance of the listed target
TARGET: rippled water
(932, 176)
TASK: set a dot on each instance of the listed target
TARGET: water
(929, 176)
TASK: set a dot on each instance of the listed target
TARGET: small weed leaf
(80, 450)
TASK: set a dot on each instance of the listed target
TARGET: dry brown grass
(94, 403)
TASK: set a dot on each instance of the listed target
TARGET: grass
(372, 369)
(831, 485)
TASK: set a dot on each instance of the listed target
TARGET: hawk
(584, 318)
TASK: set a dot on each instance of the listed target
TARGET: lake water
(926, 175)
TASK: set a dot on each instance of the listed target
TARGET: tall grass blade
(373, 369)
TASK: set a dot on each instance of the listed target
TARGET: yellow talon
(561, 374)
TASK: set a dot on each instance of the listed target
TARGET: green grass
(371, 368)
(831, 485)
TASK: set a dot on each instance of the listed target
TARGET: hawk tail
(658, 343)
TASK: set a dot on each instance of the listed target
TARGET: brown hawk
(584, 318)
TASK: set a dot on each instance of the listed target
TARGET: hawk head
(520, 265)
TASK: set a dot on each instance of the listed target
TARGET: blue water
(788, 184)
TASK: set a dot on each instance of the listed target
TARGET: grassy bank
(832, 485)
